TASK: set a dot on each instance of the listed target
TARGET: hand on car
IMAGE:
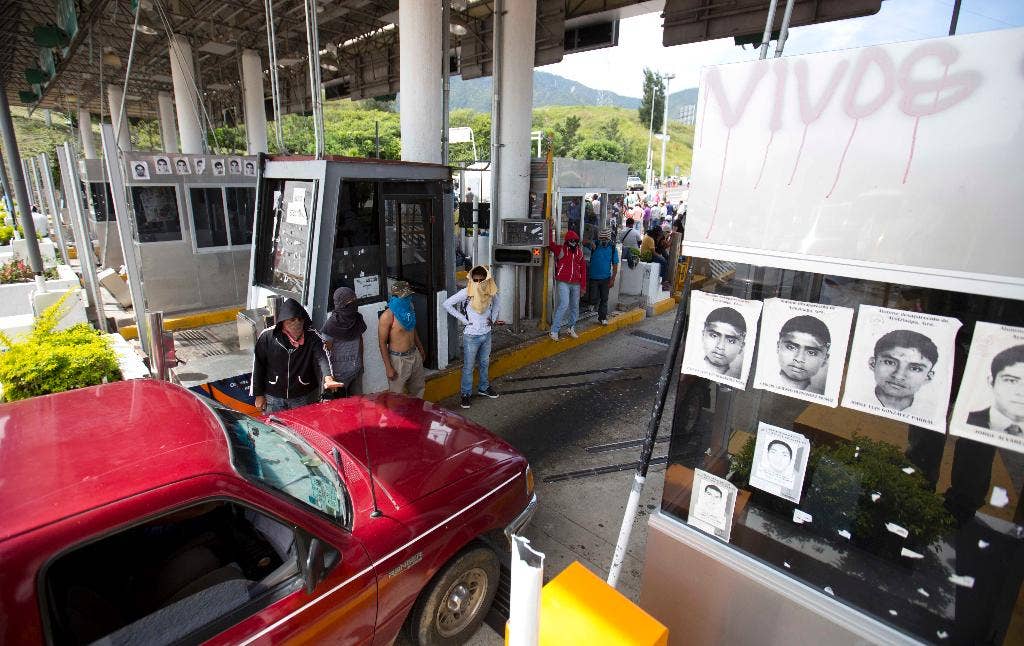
(331, 384)
(260, 403)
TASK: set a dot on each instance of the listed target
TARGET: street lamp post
(664, 124)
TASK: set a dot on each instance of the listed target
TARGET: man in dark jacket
(289, 361)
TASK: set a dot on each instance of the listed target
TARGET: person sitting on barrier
(631, 238)
(400, 345)
(289, 360)
(650, 252)
(570, 276)
(475, 307)
(344, 334)
(604, 267)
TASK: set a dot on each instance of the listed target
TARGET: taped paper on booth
(780, 462)
(712, 502)
(720, 338)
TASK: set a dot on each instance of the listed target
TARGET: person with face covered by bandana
(604, 267)
(476, 308)
(570, 277)
(289, 362)
(344, 334)
(400, 346)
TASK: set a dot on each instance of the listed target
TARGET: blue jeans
(568, 299)
(275, 404)
(476, 349)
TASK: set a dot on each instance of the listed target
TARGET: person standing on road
(289, 360)
(604, 267)
(400, 346)
(344, 334)
(631, 238)
(476, 308)
(570, 276)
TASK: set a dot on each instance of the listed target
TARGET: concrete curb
(447, 383)
(187, 321)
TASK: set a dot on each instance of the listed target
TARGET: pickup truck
(137, 513)
(634, 183)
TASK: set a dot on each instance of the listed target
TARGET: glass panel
(616, 211)
(102, 201)
(356, 262)
(156, 213)
(415, 250)
(208, 217)
(569, 218)
(863, 496)
(285, 234)
(591, 215)
(241, 211)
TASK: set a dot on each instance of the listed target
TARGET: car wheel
(455, 602)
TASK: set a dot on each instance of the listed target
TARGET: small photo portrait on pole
(234, 166)
(181, 166)
(218, 166)
(780, 462)
(162, 165)
(712, 502)
(901, 366)
(140, 170)
(990, 404)
(199, 163)
(249, 168)
(803, 350)
(720, 338)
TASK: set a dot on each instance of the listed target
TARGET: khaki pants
(410, 374)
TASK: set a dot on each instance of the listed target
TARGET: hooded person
(290, 362)
(570, 278)
(400, 346)
(604, 267)
(344, 335)
(477, 309)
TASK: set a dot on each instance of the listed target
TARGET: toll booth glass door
(282, 244)
(356, 261)
(410, 257)
(570, 215)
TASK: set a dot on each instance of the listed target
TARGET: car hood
(415, 447)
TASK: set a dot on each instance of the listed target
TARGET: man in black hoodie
(289, 360)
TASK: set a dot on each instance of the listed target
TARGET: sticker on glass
(712, 502)
(803, 350)
(901, 366)
(990, 405)
(720, 338)
(780, 461)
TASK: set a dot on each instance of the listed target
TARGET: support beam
(168, 126)
(115, 94)
(85, 134)
(186, 99)
(255, 110)
(420, 70)
(35, 260)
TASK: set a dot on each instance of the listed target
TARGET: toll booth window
(102, 201)
(208, 217)
(286, 227)
(860, 437)
(241, 209)
(356, 261)
(616, 210)
(156, 213)
(408, 222)
(571, 216)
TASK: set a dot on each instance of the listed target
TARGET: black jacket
(280, 370)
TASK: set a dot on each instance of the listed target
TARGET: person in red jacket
(570, 276)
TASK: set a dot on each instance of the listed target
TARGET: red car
(137, 513)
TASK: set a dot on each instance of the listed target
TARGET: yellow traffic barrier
(187, 321)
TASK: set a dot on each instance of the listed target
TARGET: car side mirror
(316, 559)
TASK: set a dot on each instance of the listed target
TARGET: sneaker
(572, 333)
(553, 335)
(490, 392)
(603, 321)
(465, 401)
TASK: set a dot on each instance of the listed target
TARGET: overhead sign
(460, 135)
(897, 163)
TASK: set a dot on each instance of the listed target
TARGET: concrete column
(419, 36)
(85, 134)
(114, 95)
(10, 144)
(186, 101)
(255, 112)
(513, 200)
(168, 126)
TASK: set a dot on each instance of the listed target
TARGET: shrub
(52, 361)
(21, 232)
(16, 271)
(6, 233)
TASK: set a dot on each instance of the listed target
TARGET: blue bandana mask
(404, 312)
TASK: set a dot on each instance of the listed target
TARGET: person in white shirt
(477, 309)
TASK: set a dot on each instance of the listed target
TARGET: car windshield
(282, 460)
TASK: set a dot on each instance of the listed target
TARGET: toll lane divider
(187, 321)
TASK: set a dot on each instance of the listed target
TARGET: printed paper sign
(780, 461)
(720, 338)
(803, 350)
(367, 286)
(990, 405)
(901, 366)
(712, 502)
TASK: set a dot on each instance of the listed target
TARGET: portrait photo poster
(200, 165)
(218, 165)
(162, 165)
(720, 338)
(802, 350)
(140, 169)
(712, 502)
(901, 366)
(780, 462)
(990, 404)
(182, 167)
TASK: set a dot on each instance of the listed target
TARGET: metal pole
(51, 201)
(313, 47)
(542, 323)
(275, 89)
(496, 62)
(376, 138)
(649, 165)
(446, 8)
(767, 37)
(86, 260)
(956, 17)
(157, 356)
(124, 227)
(517, 323)
(664, 124)
(668, 369)
(784, 31)
(35, 260)
(6, 186)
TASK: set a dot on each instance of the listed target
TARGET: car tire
(456, 600)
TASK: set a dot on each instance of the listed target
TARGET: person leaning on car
(289, 361)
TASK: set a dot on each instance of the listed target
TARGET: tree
(567, 135)
(599, 150)
(654, 93)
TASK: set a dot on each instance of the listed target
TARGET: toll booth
(363, 224)
(100, 207)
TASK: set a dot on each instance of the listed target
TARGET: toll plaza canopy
(58, 53)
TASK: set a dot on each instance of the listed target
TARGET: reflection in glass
(357, 239)
(241, 209)
(156, 213)
(208, 217)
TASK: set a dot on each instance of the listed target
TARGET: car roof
(64, 454)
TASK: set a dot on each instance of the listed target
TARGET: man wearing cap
(604, 267)
(400, 346)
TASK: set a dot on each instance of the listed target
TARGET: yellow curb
(663, 306)
(447, 383)
(187, 321)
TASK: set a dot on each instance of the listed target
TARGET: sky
(620, 69)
